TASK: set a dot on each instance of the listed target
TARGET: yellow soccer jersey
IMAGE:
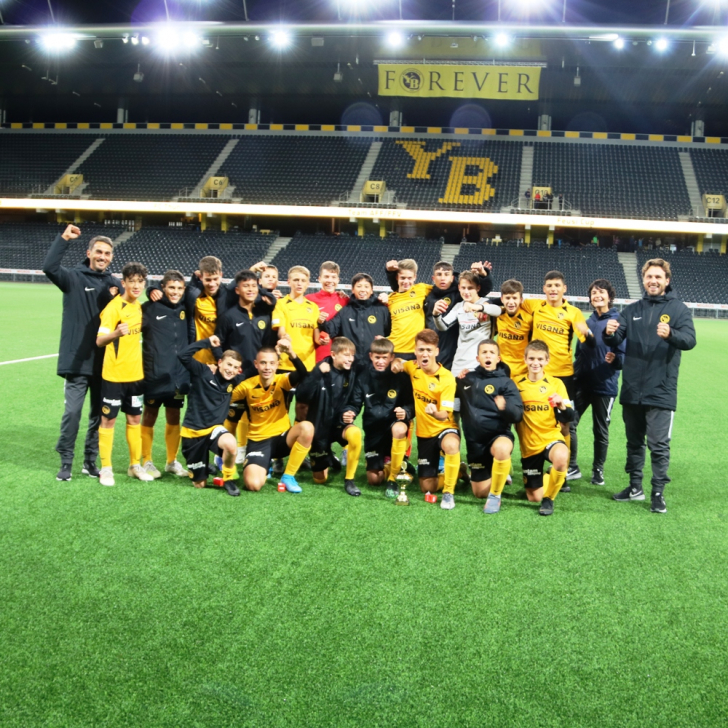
(205, 322)
(267, 409)
(408, 316)
(299, 320)
(438, 389)
(514, 333)
(539, 427)
(555, 325)
(123, 356)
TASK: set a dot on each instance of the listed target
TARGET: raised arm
(52, 267)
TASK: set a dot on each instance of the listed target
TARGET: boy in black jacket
(165, 334)
(326, 391)
(489, 404)
(388, 409)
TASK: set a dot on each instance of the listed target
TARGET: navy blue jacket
(592, 373)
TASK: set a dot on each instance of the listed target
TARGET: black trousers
(75, 389)
(655, 426)
(601, 406)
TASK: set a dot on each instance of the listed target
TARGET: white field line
(32, 358)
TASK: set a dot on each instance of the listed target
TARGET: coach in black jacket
(86, 291)
(657, 328)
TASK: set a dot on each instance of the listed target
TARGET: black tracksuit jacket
(237, 331)
(651, 364)
(481, 417)
(165, 335)
(85, 295)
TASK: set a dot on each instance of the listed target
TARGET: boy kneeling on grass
(489, 404)
(270, 435)
(388, 410)
(545, 407)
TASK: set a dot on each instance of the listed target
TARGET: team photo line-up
(441, 360)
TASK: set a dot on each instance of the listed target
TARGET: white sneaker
(106, 476)
(150, 468)
(448, 501)
(176, 468)
(137, 471)
(240, 457)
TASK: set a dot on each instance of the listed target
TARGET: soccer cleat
(392, 490)
(463, 474)
(277, 467)
(137, 471)
(106, 476)
(448, 501)
(89, 468)
(151, 468)
(231, 488)
(344, 457)
(492, 504)
(176, 468)
(597, 476)
(509, 480)
(630, 493)
(565, 488)
(65, 472)
(218, 463)
(573, 473)
(547, 507)
(350, 488)
(658, 502)
(441, 465)
(240, 457)
(291, 485)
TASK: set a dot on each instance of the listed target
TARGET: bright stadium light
(619, 44)
(502, 40)
(722, 46)
(395, 39)
(57, 41)
(171, 39)
(281, 39)
(661, 44)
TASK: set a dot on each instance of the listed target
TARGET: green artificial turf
(162, 605)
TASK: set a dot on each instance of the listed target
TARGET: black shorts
(570, 384)
(171, 400)
(196, 449)
(532, 466)
(480, 459)
(378, 446)
(124, 396)
(428, 453)
(261, 452)
(320, 454)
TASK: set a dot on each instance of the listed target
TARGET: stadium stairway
(691, 182)
(365, 171)
(526, 179)
(121, 239)
(278, 244)
(87, 153)
(448, 253)
(628, 261)
(214, 169)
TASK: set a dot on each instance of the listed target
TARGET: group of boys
(423, 358)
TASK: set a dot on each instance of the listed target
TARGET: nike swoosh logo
(636, 318)
(369, 395)
(466, 387)
(89, 289)
(240, 324)
(159, 318)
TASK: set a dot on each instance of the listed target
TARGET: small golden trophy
(403, 478)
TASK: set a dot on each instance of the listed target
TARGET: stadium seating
(696, 278)
(614, 180)
(394, 164)
(160, 248)
(711, 170)
(149, 166)
(528, 264)
(24, 245)
(356, 255)
(30, 163)
(294, 170)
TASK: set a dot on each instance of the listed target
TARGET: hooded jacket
(85, 295)
(651, 364)
(477, 390)
(592, 373)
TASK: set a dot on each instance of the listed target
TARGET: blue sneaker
(291, 485)
(218, 463)
(441, 465)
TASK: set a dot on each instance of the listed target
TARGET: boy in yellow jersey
(545, 407)
(555, 322)
(514, 327)
(433, 387)
(270, 434)
(406, 307)
(122, 377)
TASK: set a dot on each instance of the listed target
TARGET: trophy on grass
(403, 478)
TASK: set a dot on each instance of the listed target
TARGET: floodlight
(395, 39)
(135, 39)
(57, 41)
(280, 39)
(167, 39)
(502, 40)
(661, 44)
(145, 40)
(619, 44)
(722, 46)
(191, 40)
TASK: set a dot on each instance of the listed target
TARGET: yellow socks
(242, 431)
(229, 473)
(171, 440)
(399, 447)
(147, 441)
(297, 456)
(230, 426)
(568, 443)
(134, 441)
(353, 437)
(499, 475)
(106, 445)
(556, 480)
(452, 468)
